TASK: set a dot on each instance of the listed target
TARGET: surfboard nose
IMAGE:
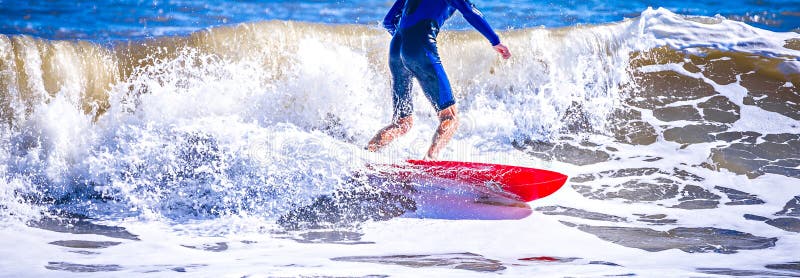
(535, 184)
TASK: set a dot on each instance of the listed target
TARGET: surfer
(414, 25)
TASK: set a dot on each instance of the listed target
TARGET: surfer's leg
(445, 105)
(428, 69)
(448, 124)
(402, 120)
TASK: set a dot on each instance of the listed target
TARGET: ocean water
(127, 19)
(222, 138)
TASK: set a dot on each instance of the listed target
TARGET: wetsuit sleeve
(475, 18)
(393, 16)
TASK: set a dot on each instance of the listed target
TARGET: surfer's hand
(503, 50)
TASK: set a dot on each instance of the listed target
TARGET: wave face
(258, 118)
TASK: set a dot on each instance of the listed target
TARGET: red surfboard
(527, 184)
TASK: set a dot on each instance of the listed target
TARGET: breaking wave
(258, 118)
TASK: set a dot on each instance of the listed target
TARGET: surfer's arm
(475, 18)
(393, 16)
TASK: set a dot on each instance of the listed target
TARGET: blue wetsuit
(414, 25)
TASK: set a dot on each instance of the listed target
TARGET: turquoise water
(126, 19)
